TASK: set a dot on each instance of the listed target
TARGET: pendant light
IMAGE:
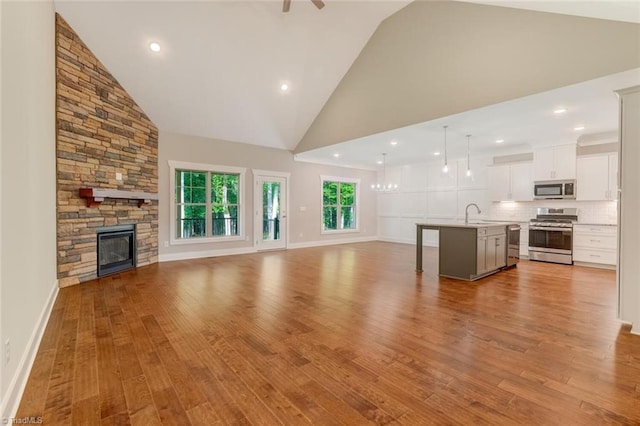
(384, 187)
(445, 169)
(468, 157)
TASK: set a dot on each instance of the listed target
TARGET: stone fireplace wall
(101, 131)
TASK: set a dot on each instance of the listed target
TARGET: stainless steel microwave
(554, 190)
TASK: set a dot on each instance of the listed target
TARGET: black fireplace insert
(116, 249)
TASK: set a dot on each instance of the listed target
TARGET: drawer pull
(595, 241)
(594, 255)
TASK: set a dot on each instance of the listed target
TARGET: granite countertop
(471, 224)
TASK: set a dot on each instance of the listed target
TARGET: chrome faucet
(466, 212)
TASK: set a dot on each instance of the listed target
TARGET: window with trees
(339, 204)
(206, 202)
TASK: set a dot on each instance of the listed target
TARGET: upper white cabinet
(555, 163)
(511, 182)
(597, 177)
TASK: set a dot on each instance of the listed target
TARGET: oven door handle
(549, 228)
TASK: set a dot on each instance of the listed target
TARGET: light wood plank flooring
(346, 334)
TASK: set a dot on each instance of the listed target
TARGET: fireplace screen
(116, 249)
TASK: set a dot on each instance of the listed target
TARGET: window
(206, 203)
(339, 204)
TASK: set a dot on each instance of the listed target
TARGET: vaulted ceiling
(222, 63)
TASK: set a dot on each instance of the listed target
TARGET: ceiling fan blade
(319, 3)
(286, 4)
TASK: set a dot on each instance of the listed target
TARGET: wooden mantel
(95, 196)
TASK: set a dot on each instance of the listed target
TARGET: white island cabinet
(554, 163)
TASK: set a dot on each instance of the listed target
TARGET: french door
(270, 223)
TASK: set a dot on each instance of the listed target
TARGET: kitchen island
(467, 251)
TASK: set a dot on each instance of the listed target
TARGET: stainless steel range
(551, 235)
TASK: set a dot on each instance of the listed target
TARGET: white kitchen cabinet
(613, 176)
(554, 163)
(511, 182)
(597, 177)
(595, 244)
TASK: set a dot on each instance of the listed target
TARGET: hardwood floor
(343, 334)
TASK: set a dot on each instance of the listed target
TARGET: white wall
(304, 191)
(425, 193)
(629, 232)
(27, 176)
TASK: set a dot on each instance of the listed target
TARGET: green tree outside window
(197, 192)
(338, 205)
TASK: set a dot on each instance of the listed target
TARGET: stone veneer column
(101, 131)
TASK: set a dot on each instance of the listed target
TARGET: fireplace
(116, 249)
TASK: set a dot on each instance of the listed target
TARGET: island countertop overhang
(461, 224)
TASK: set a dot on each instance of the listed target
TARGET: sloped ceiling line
(435, 59)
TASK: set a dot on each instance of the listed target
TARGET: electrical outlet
(7, 351)
(166, 243)
(118, 176)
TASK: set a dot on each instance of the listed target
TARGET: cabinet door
(564, 162)
(521, 176)
(593, 178)
(481, 262)
(499, 183)
(613, 176)
(491, 253)
(543, 164)
(501, 251)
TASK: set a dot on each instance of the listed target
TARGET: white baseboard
(320, 243)
(247, 250)
(12, 398)
(204, 253)
(634, 330)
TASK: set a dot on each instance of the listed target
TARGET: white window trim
(183, 165)
(324, 178)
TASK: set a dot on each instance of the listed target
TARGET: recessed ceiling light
(336, 155)
(394, 143)
(155, 47)
(379, 161)
(436, 153)
(560, 111)
(578, 128)
(499, 140)
(284, 87)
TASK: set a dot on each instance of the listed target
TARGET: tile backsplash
(595, 212)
